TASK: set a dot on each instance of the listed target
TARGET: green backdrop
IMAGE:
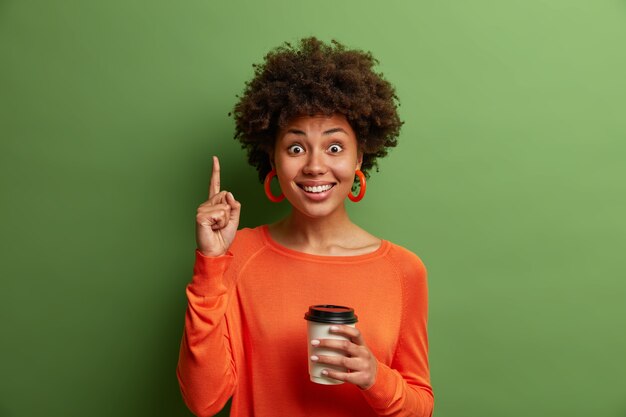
(508, 182)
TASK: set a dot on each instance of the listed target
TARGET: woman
(316, 117)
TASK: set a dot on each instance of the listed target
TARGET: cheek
(284, 167)
(286, 171)
(348, 169)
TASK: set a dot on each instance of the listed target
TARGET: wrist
(210, 254)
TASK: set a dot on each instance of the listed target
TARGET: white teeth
(317, 189)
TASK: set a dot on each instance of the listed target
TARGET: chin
(317, 212)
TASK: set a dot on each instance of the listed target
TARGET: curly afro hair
(316, 78)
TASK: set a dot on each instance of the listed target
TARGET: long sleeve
(245, 333)
(206, 367)
(403, 389)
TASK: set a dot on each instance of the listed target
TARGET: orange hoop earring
(363, 186)
(268, 190)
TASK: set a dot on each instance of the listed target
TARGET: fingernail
(315, 342)
(324, 372)
(314, 358)
(334, 328)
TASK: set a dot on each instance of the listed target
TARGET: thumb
(235, 207)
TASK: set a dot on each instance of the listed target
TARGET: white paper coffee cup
(319, 320)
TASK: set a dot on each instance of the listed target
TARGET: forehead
(318, 123)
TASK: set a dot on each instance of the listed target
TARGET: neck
(316, 231)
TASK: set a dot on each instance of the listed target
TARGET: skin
(319, 150)
(309, 151)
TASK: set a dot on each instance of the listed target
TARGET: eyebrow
(328, 132)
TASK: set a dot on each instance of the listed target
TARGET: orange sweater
(245, 334)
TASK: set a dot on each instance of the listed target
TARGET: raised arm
(206, 366)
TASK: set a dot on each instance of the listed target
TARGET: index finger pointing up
(214, 186)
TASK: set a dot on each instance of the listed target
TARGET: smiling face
(315, 159)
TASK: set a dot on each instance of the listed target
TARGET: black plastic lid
(331, 314)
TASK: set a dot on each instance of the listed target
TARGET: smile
(316, 188)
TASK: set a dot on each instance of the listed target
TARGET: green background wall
(508, 182)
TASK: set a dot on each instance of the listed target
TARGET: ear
(359, 160)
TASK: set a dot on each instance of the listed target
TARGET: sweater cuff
(384, 390)
(208, 274)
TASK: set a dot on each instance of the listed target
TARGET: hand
(217, 218)
(361, 363)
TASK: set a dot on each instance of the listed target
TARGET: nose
(315, 164)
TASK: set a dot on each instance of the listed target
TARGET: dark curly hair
(316, 78)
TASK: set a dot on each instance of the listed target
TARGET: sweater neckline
(269, 241)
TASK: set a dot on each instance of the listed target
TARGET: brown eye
(335, 148)
(295, 149)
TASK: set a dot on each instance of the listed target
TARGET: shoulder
(248, 241)
(413, 279)
(247, 244)
(408, 264)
